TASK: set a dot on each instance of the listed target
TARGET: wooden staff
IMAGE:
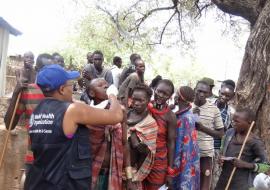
(9, 129)
(240, 154)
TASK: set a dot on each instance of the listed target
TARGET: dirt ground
(10, 172)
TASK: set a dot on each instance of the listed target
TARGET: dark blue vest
(60, 163)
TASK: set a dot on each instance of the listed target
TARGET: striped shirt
(210, 117)
(30, 98)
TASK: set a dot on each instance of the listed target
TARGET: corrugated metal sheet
(4, 24)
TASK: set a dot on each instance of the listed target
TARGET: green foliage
(97, 32)
(184, 72)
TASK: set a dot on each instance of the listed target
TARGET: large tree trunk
(253, 87)
(253, 83)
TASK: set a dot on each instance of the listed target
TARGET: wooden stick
(240, 154)
(9, 129)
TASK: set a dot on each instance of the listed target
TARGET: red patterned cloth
(99, 136)
(146, 130)
(157, 176)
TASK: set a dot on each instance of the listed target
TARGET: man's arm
(218, 130)
(11, 109)
(217, 133)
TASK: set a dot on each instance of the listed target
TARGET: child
(142, 134)
(254, 151)
(107, 143)
(187, 158)
(166, 121)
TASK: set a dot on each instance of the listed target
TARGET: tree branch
(115, 20)
(179, 17)
(145, 16)
(248, 9)
(130, 8)
(163, 30)
(201, 8)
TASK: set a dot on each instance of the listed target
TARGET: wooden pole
(240, 154)
(9, 129)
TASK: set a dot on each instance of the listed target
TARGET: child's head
(141, 96)
(226, 93)
(185, 95)
(242, 119)
(163, 91)
(97, 90)
(43, 60)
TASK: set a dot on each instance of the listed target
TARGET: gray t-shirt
(131, 81)
(105, 73)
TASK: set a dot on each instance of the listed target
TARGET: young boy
(226, 93)
(254, 151)
(107, 143)
(132, 80)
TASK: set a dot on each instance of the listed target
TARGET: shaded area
(10, 173)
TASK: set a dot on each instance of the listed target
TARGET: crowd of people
(118, 132)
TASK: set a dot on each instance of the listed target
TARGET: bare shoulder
(170, 117)
(77, 107)
(133, 76)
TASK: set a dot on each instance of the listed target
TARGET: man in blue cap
(58, 134)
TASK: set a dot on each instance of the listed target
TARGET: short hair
(145, 88)
(229, 82)
(227, 86)
(117, 59)
(133, 56)
(28, 52)
(202, 82)
(187, 93)
(98, 52)
(55, 54)
(250, 114)
(136, 59)
(155, 81)
(44, 55)
(167, 82)
(39, 61)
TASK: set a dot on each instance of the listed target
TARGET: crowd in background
(165, 136)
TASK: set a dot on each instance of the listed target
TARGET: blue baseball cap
(51, 77)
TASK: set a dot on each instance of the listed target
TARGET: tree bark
(248, 9)
(253, 87)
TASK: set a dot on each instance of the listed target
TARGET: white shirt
(116, 72)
